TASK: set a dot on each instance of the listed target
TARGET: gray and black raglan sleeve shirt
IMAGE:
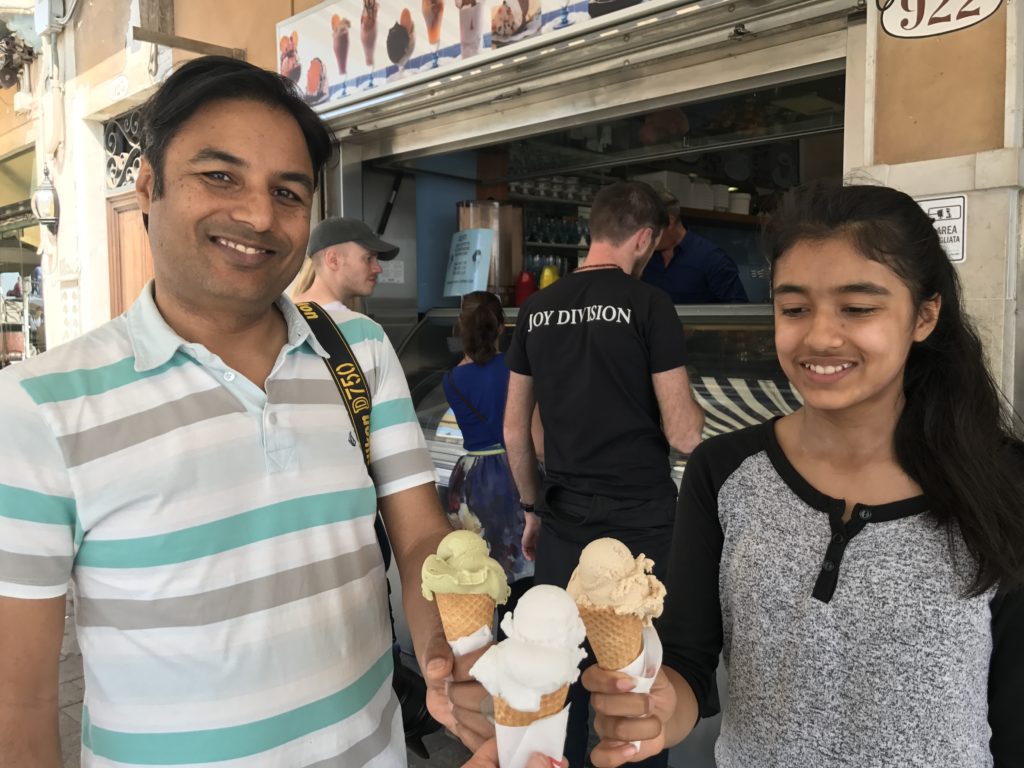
(847, 644)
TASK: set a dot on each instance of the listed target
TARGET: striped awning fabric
(731, 404)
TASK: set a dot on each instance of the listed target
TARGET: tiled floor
(445, 752)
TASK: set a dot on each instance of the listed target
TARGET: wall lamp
(45, 205)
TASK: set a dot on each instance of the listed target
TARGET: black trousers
(570, 521)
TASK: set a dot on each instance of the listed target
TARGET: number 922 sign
(925, 18)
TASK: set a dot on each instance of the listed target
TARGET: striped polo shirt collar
(154, 342)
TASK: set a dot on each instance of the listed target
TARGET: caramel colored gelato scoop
(608, 576)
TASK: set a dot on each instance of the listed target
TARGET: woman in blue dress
(482, 496)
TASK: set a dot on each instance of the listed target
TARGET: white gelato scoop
(541, 654)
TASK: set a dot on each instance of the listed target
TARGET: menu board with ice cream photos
(340, 49)
(345, 48)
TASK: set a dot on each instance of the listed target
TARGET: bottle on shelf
(526, 286)
(548, 275)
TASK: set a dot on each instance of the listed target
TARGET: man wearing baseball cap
(345, 257)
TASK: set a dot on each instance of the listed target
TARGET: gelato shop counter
(733, 369)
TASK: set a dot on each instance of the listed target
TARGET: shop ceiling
(644, 61)
(739, 137)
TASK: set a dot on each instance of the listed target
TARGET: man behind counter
(690, 268)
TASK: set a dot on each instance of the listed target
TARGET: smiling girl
(858, 563)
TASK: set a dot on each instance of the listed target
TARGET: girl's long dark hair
(957, 437)
(480, 323)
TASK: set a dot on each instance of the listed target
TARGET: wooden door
(131, 263)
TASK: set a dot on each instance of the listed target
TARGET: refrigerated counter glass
(735, 375)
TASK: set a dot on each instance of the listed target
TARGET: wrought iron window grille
(124, 153)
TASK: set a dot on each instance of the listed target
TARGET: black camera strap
(348, 377)
(345, 372)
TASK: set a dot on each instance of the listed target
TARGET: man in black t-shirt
(603, 356)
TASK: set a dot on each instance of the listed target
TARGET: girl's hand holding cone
(622, 717)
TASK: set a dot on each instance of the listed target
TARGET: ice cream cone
(467, 584)
(462, 615)
(616, 640)
(550, 704)
(617, 596)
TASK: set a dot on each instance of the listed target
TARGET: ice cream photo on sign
(291, 66)
(471, 32)
(468, 584)
(433, 13)
(316, 82)
(368, 33)
(617, 596)
(402, 40)
(340, 27)
(528, 674)
(514, 20)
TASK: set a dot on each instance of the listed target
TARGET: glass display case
(735, 375)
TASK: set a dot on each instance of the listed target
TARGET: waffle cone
(616, 640)
(462, 615)
(550, 704)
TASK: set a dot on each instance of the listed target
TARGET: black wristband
(525, 507)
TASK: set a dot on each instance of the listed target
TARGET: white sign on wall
(950, 217)
(392, 271)
(926, 18)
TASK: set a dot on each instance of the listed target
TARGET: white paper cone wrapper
(547, 736)
(473, 642)
(644, 668)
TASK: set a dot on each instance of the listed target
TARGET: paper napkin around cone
(520, 734)
(516, 744)
(644, 668)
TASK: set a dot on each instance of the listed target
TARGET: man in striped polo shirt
(190, 468)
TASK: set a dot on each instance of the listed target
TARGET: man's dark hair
(218, 78)
(621, 209)
(672, 206)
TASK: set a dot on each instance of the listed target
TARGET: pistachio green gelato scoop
(462, 566)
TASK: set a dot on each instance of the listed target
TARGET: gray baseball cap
(337, 230)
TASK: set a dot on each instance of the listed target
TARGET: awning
(615, 66)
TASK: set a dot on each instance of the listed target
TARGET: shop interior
(22, 327)
(725, 159)
(21, 296)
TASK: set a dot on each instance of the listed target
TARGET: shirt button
(838, 538)
(229, 376)
(828, 566)
(865, 514)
